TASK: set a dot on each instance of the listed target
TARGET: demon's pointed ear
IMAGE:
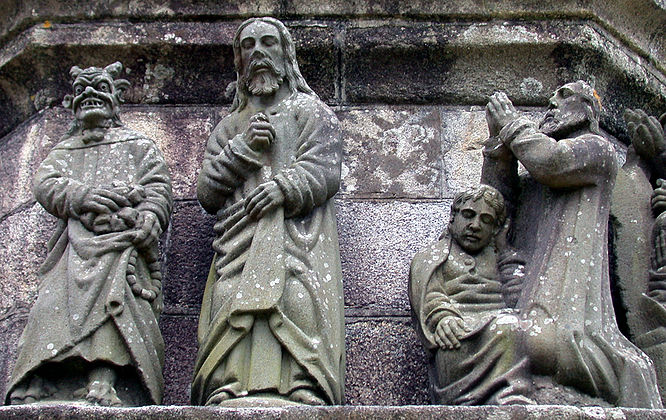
(114, 69)
(67, 101)
(75, 71)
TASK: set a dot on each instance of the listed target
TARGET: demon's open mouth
(92, 103)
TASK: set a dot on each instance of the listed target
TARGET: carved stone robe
(86, 308)
(566, 298)
(272, 314)
(488, 368)
(633, 223)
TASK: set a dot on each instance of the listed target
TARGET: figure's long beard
(563, 125)
(262, 77)
(264, 83)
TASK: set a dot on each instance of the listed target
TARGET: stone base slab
(73, 412)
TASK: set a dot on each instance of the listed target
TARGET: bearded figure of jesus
(271, 329)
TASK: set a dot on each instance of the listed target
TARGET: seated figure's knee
(507, 325)
(540, 346)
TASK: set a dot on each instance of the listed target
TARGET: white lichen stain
(531, 87)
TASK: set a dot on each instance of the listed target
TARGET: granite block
(378, 239)
(180, 339)
(22, 151)
(428, 62)
(72, 412)
(24, 235)
(181, 134)
(188, 258)
(391, 152)
(386, 364)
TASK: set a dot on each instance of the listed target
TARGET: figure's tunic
(633, 246)
(487, 368)
(574, 337)
(272, 313)
(86, 308)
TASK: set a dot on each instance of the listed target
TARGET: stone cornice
(619, 17)
(390, 61)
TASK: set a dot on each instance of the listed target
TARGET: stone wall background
(408, 82)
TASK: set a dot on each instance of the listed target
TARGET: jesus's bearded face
(262, 58)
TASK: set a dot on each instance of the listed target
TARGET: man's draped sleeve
(573, 162)
(228, 161)
(430, 304)
(437, 306)
(314, 177)
(153, 175)
(55, 189)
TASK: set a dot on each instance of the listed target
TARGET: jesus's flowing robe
(272, 314)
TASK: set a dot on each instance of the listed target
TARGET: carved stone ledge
(69, 412)
(349, 62)
(619, 16)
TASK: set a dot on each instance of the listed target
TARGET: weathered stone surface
(20, 154)
(164, 38)
(391, 152)
(24, 235)
(385, 363)
(71, 412)
(12, 322)
(448, 63)
(382, 352)
(377, 242)
(375, 255)
(345, 62)
(181, 134)
(619, 14)
(158, 59)
(180, 339)
(433, 62)
(631, 223)
(463, 134)
(188, 257)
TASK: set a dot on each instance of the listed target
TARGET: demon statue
(271, 329)
(92, 334)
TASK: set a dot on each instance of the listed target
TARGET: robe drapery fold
(566, 298)
(488, 368)
(274, 292)
(86, 307)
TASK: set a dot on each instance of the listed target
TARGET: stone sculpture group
(560, 341)
(512, 303)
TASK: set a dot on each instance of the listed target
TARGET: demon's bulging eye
(78, 89)
(103, 87)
